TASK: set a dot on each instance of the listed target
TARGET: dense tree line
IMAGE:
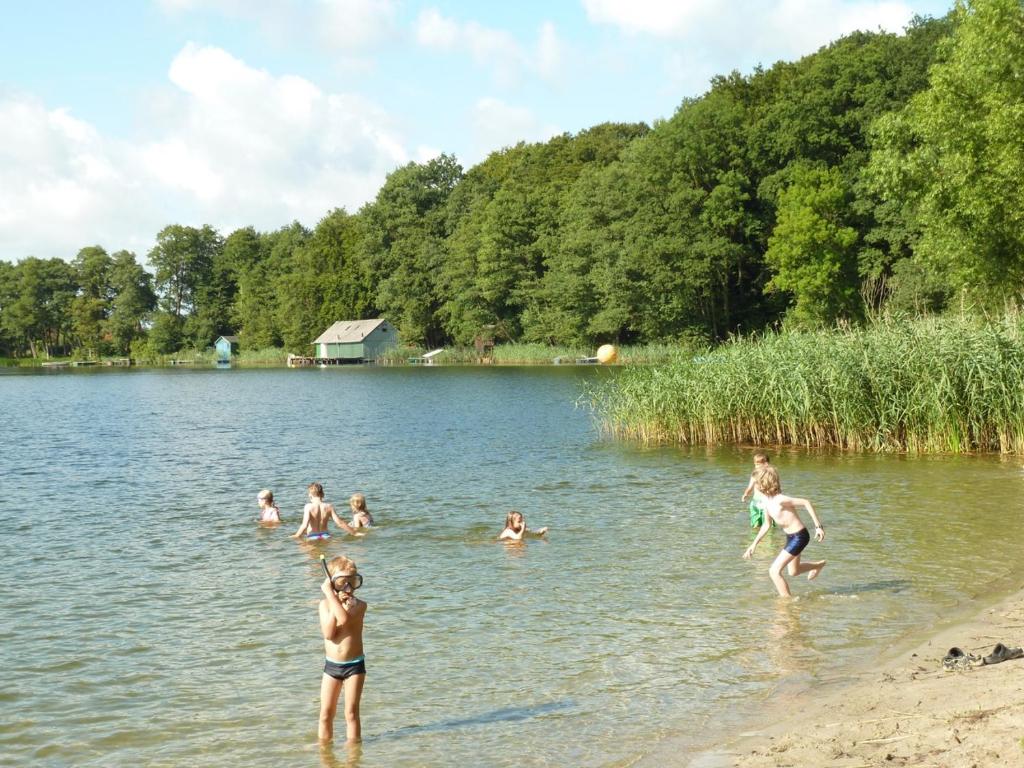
(880, 173)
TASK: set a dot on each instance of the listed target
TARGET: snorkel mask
(339, 581)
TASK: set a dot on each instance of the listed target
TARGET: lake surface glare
(145, 619)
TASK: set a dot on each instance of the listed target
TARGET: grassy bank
(543, 354)
(937, 385)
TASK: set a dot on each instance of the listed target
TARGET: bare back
(318, 513)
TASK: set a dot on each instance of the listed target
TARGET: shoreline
(906, 710)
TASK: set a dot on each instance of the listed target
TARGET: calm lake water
(146, 620)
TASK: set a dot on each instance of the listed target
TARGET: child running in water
(316, 514)
(361, 517)
(756, 512)
(269, 511)
(341, 624)
(783, 510)
(515, 528)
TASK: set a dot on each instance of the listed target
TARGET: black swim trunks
(340, 670)
(795, 542)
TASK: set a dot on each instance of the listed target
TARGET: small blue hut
(226, 347)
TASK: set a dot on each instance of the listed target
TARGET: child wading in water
(341, 624)
(782, 509)
(756, 511)
(515, 528)
(269, 511)
(316, 514)
(361, 517)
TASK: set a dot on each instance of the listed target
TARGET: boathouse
(355, 340)
(226, 347)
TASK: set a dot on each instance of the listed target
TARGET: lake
(146, 619)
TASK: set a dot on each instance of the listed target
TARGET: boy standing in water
(341, 624)
(756, 512)
(782, 509)
(316, 514)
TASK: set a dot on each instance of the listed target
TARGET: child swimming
(341, 624)
(515, 528)
(782, 509)
(269, 511)
(316, 514)
(361, 517)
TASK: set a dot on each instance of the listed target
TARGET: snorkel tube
(327, 573)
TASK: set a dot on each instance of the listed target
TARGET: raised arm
(819, 529)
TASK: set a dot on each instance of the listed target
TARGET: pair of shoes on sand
(957, 659)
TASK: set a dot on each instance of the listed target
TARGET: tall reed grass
(935, 385)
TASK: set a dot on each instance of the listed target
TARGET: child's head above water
(514, 520)
(761, 459)
(766, 480)
(315, 489)
(265, 497)
(341, 567)
(358, 502)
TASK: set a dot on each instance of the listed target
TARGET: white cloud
(234, 146)
(497, 125)
(492, 48)
(355, 24)
(769, 29)
(435, 31)
(339, 25)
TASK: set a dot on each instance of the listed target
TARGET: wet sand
(907, 711)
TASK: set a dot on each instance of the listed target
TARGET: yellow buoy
(607, 353)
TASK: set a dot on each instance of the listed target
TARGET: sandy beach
(908, 710)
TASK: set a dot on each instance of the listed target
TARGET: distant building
(356, 340)
(226, 347)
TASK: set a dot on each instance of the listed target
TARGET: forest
(879, 176)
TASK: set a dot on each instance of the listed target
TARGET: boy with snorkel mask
(341, 624)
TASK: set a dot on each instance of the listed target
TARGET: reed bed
(944, 385)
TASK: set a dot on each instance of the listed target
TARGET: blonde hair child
(361, 517)
(269, 511)
(341, 624)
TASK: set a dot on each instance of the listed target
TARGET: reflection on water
(635, 622)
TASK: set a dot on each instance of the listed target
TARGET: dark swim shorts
(795, 542)
(340, 670)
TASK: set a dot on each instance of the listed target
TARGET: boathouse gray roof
(348, 331)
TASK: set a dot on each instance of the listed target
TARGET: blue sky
(118, 118)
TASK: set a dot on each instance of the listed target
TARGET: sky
(118, 118)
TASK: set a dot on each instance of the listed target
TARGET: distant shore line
(277, 357)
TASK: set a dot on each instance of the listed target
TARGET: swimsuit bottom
(340, 670)
(795, 542)
(318, 535)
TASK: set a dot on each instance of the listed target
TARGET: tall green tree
(403, 245)
(92, 306)
(191, 290)
(812, 251)
(40, 317)
(956, 153)
(133, 302)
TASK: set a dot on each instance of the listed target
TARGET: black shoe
(957, 659)
(1002, 653)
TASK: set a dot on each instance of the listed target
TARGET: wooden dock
(300, 361)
